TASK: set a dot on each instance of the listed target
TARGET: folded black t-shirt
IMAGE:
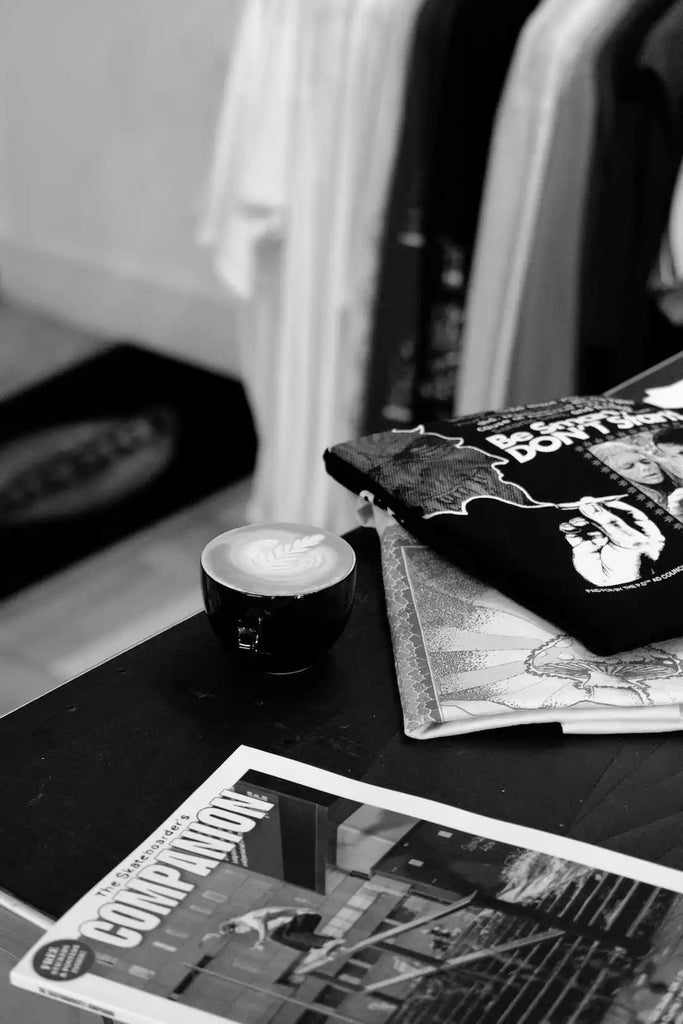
(574, 508)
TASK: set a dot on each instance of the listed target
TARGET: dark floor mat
(108, 447)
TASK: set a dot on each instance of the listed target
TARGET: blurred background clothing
(439, 206)
(304, 151)
(520, 337)
(373, 213)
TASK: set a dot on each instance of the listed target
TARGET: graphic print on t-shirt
(652, 462)
(464, 651)
(612, 542)
(585, 498)
(444, 478)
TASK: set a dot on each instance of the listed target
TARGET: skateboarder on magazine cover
(290, 926)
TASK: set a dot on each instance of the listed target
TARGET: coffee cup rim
(295, 592)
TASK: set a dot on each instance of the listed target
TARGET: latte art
(298, 558)
(278, 559)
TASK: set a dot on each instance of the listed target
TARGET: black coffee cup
(278, 595)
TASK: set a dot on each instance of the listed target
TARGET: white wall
(107, 113)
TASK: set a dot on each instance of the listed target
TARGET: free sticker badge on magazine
(282, 893)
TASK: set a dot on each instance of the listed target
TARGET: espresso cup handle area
(250, 632)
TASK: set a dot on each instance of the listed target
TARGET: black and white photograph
(420, 923)
(652, 461)
(341, 418)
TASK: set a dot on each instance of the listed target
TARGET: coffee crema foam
(285, 558)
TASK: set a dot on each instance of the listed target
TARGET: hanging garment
(666, 280)
(391, 386)
(675, 228)
(638, 152)
(520, 339)
(304, 148)
(458, 65)
(483, 43)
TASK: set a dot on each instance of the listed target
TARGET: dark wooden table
(89, 769)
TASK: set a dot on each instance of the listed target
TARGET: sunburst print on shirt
(487, 654)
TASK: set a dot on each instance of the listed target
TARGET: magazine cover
(284, 894)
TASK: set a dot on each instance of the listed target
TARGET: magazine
(279, 892)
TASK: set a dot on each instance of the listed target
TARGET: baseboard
(118, 301)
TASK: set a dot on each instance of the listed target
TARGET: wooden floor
(98, 607)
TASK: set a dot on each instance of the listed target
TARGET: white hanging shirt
(304, 151)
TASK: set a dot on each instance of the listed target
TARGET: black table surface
(89, 769)
(92, 767)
